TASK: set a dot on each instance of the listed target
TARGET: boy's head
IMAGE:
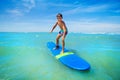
(59, 16)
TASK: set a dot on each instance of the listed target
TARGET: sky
(82, 16)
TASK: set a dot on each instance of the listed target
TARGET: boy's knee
(63, 39)
(57, 38)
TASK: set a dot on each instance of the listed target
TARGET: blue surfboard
(69, 58)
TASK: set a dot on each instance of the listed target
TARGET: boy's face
(59, 18)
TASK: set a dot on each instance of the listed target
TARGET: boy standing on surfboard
(62, 33)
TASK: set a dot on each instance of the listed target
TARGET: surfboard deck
(69, 58)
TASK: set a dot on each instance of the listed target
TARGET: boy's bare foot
(56, 47)
(62, 52)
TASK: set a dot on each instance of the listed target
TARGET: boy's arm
(54, 27)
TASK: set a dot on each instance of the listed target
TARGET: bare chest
(60, 24)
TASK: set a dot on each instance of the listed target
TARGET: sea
(25, 56)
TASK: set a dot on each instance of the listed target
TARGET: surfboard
(68, 58)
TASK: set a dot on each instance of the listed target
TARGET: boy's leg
(57, 40)
(63, 42)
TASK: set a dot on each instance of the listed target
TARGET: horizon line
(57, 32)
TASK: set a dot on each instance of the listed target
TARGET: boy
(62, 33)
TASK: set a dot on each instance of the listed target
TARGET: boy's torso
(62, 25)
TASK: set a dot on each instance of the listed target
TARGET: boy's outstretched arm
(54, 27)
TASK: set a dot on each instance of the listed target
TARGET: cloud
(15, 12)
(25, 6)
(59, 4)
(95, 8)
(90, 8)
(84, 26)
(85, 9)
(93, 27)
(29, 4)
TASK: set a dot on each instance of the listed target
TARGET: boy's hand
(50, 31)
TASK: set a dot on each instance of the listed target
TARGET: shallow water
(24, 56)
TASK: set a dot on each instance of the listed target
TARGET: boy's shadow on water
(82, 71)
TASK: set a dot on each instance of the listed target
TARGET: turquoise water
(24, 56)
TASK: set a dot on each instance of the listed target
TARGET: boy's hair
(59, 14)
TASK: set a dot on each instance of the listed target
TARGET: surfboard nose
(75, 62)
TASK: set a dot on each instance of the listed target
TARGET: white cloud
(29, 4)
(21, 8)
(95, 8)
(91, 8)
(15, 12)
(59, 4)
(93, 27)
(73, 26)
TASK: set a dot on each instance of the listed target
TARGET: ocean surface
(25, 56)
